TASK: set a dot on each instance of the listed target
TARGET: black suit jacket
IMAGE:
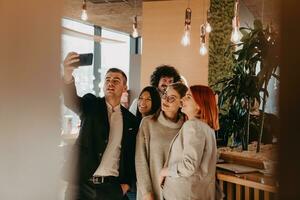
(93, 137)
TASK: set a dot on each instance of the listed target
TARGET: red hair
(208, 111)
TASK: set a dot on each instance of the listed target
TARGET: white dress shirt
(109, 165)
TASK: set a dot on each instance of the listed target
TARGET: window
(111, 55)
(114, 54)
(83, 75)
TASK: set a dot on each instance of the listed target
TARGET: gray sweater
(152, 145)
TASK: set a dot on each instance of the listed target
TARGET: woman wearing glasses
(189, 171)
(153, 140)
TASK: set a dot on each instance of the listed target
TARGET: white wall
(163, 25)
(29, 103)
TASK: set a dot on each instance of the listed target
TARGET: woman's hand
(148, 196)
(125, 188)
(163, 173)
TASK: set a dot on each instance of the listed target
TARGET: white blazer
(192, 163)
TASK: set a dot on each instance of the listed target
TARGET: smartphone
(85, 59)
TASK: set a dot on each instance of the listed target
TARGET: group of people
(165, 149)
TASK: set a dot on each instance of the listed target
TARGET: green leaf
(257, 24)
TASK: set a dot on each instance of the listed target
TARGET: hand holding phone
(73, 61)
(85, 59)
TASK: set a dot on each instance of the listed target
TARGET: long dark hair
(155, 101)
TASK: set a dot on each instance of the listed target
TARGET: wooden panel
(229, 191)
(256, 194)
(266, 195)
(117, 16)
(238, 192)
(247, 193)
(233, 186)
(233, 157)
(221, 185)
(246, 183)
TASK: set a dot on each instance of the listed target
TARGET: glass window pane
(114, 54)
(83, 75)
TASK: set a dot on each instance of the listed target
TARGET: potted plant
(254, 63)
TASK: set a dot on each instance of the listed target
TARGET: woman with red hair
(189, 171)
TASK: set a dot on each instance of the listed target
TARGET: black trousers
(90, 191)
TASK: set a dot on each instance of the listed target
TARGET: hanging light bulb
(84, 15)
(135, 32)
(208, 28)
(203, 49)
(269, 32)
(235, 35)
(186, 38)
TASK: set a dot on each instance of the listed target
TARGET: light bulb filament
(84, 15)
(235, 35)
(208, 28)
(203, 49)
(135, 33)
(186, 38)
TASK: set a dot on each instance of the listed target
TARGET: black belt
(104, 179)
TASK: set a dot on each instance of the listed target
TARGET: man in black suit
(105, 148)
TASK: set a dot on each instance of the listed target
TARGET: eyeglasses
(169, 99)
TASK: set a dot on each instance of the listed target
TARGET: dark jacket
(93, 137)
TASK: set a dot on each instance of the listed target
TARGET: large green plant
(255, 61)
(237, 92)
(220, 18)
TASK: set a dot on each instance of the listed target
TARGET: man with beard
(161, 78)
(105, 148)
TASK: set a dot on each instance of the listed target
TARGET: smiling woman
(171, 101)
(148, 102)
(189, 171)
(155, 134)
